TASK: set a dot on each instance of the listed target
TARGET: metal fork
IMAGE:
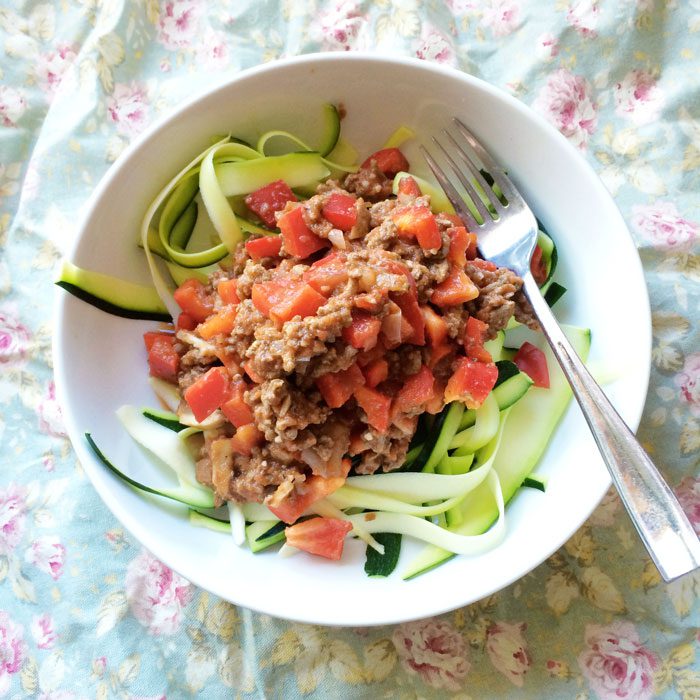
(508, 239)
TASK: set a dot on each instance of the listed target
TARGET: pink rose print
(615, 663)
(688, 380)
(433, 650)
(42, 631)
(638, 98)
(583, 17)
(49, 412)
(339, 26)
(156, 594)
(546, 47)
(13, 508)
(51, 66)
(129, 109)
(12, 105)
(47, 554)
(212, 53)
(435, 46)
(688, 494)
(501, 16)
(14, 339)
(565, 101)
(178, 23)
(12, 650)
(507, 650)
(662, 225)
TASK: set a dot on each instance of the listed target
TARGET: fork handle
(660, 521)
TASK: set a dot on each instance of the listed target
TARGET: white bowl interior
(598, 264)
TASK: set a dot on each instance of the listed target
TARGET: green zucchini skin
(515, 459)
(112, 295)
(112, 308)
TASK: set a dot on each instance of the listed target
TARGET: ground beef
(295, 432)
(369, 183)
(495, 304)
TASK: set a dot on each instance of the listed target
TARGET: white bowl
(99, 369)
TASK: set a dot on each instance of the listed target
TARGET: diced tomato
(185, 322)
(531, 360)
(474, 339)
(299, 240)
(435, 326)
(150, 337)
(376, 372)
(389, 160)
(409, 187)
(193, 299)
(246, 438)
(416, 390)
(363, 332)
(411, 311)
(314, 488)
(250, 371)
(265, 295)
(328, 273)
(418, 222)
(220, 323)
(376, 405)
(340, 210)
(324, 537)
(300, 300)
(438, 353)
(270, 199)
(459, 242)
(377, 352)
(236, 410)
(372, 301)
(337, 387)
(230, 359)
(434, 405)
(471, 382)
(472, 250)
(208, 392)
(456, 289)
(163, 360)
(484, 264)
(264, 247)
(228, 291)
(538, 268)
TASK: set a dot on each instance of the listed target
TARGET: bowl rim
(92, 203)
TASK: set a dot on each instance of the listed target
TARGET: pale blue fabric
(78, 80)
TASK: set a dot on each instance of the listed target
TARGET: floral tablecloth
(84, 610)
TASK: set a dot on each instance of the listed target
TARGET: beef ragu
(323, 345)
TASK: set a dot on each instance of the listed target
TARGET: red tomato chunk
(456, 289)
(531, 360)
(163, 360)
(236, 410)
(193, 298)
(363, 332)
(418, 223)
(376, 405)
(315, 488)
(409, 187)
(337, 387)
(270, 199)
(416, 391)
(474, 339)
(208, 392)
(324, 537)
(340, 210)
(328, 273)
(299, 240)
(264, 247)
(389, 160)
(471, 382)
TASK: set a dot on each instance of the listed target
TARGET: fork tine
(476, 173)
(452, 194)
(468, 186)
(490, 164)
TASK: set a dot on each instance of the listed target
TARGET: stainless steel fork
(507, 233)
